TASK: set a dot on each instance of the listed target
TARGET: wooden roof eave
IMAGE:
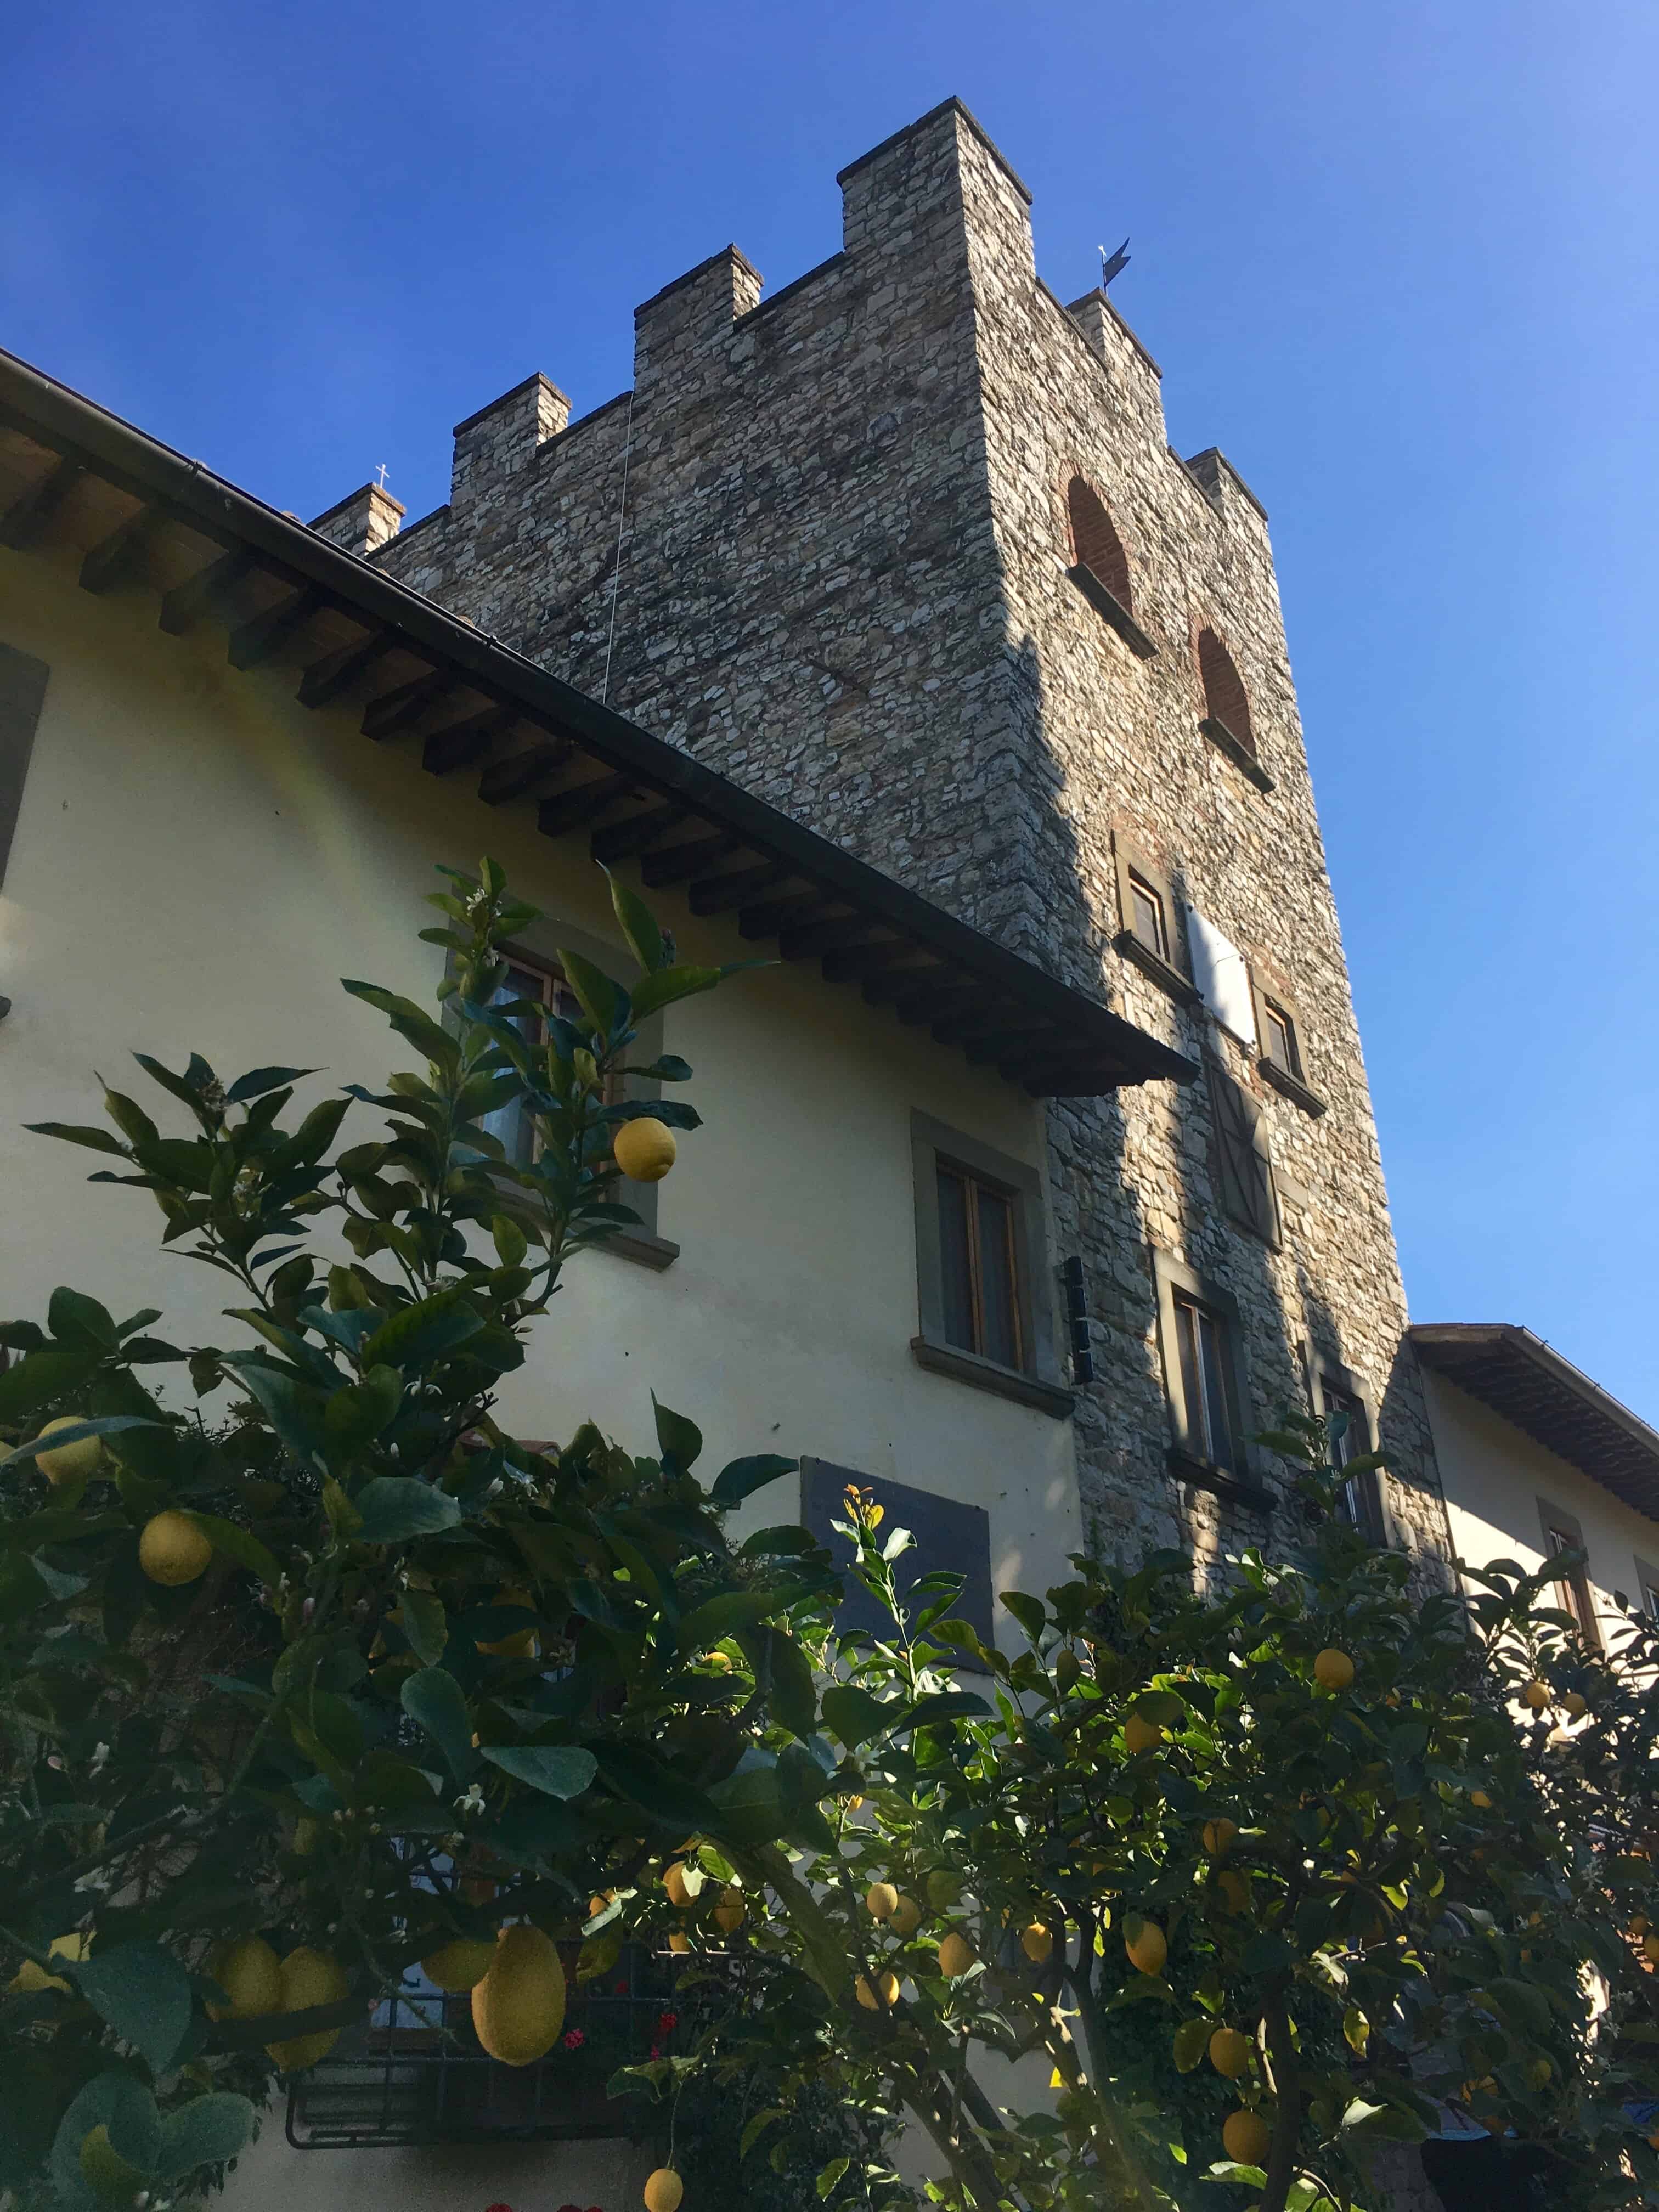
(476, 703)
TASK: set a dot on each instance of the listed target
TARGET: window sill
(1048, 1398)
(1292, 1086)
(1240, 755)
(1203, 1475)
(645, 1251)
(1112, 611)
(1152, 963)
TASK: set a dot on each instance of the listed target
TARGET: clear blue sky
(1397, 257)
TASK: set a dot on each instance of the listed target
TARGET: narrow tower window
(1096, 544)
(1225, 698)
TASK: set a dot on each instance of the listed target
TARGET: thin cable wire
(616, 573)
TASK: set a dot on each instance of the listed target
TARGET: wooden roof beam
(674, 864)
(325, 679)
(120, 558)
(211, 587)
(25, 520)
(827, 936)
(619, 839)
(774, 915)
(520, 772)
(267, 632)
(582, 803)
(718, 893)
(462, 744)
(887, 984)
(847, 965)
(400, 709)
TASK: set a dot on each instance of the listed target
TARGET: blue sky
(1398, 261)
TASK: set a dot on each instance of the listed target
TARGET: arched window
(1225, 698)
(1095, 544)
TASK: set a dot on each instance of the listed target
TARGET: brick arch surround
(1225, 699)
(1095, 542)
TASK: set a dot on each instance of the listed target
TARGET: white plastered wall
(1494, 1476)
(197, 861)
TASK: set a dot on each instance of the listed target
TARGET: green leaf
(668, 984)
(424, 1332)
(427, 1036)
(944, 1705)
(556, 1770)
(741, 1477)
(118, 2102)
(435, 1701)
(672, 1801)
(143, 1993)
(679, 1440)
(425, 1624)
(1027, 1611)
(356, 1415)
(239, 1544)
(72, 1133)
(855, 1714)
(1192, 2039)
(605, 1003)
(639, 924)
(73, 1318)
(293, 1409)
(204, 2132)
(259, 1080)
(107, 1424)
(831, 2175)
(794, 1694)
(395, 1507)
(42, 1376)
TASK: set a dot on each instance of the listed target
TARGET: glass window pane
(1215, 1395)
(1280, 1039)
(956, 1265)
(510, 1123)
(999, 1308)
(1192, 1384)
(1147, 920)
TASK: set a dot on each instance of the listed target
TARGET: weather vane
(1112, 265)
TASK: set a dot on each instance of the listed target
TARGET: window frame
(1291, 1082)
(537, 947)
(1176, 1283)
(1242, 747)
(1574, 1591)
(1039, 1382)
(24, 681)
(1215, 1075)
(1170, 971)
(1115, 610)
(1324, 1376)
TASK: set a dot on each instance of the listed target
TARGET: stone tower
(904, 547)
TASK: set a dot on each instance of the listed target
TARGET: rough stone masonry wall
(843, 583)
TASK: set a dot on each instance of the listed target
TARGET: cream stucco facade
(1501, 1485)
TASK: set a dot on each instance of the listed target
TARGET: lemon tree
(309, 1669)
(1251, 1883)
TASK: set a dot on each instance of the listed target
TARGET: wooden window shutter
(1244, 1169)
(23, 694)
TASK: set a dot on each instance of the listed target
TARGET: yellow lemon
(905, 1917)
(881, 1900)
(518, 2008)
(956, 1955)
(1649, 1949)
(678, 1943)
(663, 2190)
(172, 1550)
(888, 1985)
(1332, 1669)
(251, 1975)
(717, 1661)
(1037, 1940)
(1479, 1799)
(70, 1462)
(731, 1912)
(1219, 1836)
(113, 2181)
(1246, 2137)
(1536, 1695)
(1144, 1941)
(460, 1963)
(1236, 1889)
(29, 1978)
(1139, 1735)
(1539, 2074)
(644, 1150)
(944, 1890)
(1577, 1703)
(673, 1880)
(1229, 2052)
(308, 1977)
